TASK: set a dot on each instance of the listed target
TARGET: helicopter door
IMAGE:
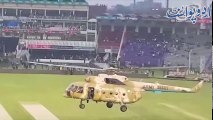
(91, 92)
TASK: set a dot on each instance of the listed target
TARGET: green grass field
(48, 90)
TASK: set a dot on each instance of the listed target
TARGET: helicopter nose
(67, 94)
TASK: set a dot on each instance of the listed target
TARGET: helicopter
(117, 89)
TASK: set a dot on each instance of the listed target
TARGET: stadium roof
(48, 2)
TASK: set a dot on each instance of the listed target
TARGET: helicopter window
(71, 87)
(80, 89)
(74, 89)
(113, 81)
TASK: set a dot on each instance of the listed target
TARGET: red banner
(31, 46)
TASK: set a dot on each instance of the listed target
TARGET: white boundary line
(4, 114)
(177, 109)
(38, 111)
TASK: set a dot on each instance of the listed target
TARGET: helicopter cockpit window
(80, 89)
(113, 81)
(74, 89)
(71, 87)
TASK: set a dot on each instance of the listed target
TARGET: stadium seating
(62, 54)
(144, 50)
(110, 39)
(51, 32)
(181, 44)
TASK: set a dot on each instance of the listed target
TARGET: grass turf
(48, 90)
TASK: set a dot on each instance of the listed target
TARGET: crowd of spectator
(43, 31)
(61, 54)
(184, 47)
(110, 39)
(144, 50)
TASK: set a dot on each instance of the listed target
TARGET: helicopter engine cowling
(91, 79)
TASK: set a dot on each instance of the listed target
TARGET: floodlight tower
(167, 4)
(134, 2)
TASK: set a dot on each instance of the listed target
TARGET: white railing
(62, 61)
(60, 43)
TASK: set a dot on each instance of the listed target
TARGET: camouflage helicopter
(117, 89)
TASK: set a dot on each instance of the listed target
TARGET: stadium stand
(144, 49)
(73, 32)
(109, 38)
(180, 48)
(42, 29)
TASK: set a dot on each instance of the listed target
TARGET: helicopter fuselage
(121, 94)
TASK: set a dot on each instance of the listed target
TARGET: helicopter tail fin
(197, 87)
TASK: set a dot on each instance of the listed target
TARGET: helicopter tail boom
(197, 87)
(159, 88)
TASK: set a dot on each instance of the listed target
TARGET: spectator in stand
(147, 50)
